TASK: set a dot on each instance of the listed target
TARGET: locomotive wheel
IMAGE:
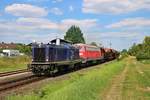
(51, 71)
(36, 72)
(77, 66)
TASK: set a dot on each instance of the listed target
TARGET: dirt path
(114, 92)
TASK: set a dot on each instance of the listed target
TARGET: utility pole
(100, 45)
(110, 44)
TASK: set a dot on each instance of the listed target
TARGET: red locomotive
(90, 53)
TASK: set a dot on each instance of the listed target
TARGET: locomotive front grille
(39, 55)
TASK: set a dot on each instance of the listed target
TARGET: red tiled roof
(7, 46)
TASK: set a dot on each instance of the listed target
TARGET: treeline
(140, 51)
(26, 49)
(23, 48)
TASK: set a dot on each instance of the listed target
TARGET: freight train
(60, 55)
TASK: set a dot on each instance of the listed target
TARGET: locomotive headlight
(47, 59)
(39, 45)
(32, 59)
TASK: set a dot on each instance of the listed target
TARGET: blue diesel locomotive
(58, 55)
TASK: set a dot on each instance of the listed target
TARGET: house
(7, 45)
(9, 53)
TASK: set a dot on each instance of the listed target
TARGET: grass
(13, 63)
(145, 61)
(137, 82)
(91, 84)
(87, 85)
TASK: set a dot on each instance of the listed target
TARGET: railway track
(25, 77)
(13, 72)
(10, 80)
(11, 84)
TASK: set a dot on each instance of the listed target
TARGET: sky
(117, 22)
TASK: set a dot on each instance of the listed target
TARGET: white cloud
(119, 34)
(56, 1)
(26, 10)
(37, 23)
(28, 29)
(28, 37)
(114, 6)
(85, 24)
(119, 39)
(97, 36)
(24, 25)
(37, 0)
(71, 8)
(39, 29)
(131, 23)
(38, 38)
(56, 11)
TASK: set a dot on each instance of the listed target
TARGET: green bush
(123, 54)
(24, 49)
(142, 56)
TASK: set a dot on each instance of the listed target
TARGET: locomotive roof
(61, 41)
(87, 45)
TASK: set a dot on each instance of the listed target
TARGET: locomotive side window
(92, 49)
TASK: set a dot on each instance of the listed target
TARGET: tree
(1, 50)
(147, 40)
(93, 43)
(124, 51)
(74, 35)
(141, 51)
(24, 49)
(132, 51)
